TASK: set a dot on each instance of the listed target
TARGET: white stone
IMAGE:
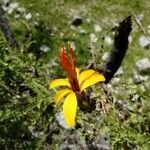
(37, 14)
(135, 98)
(17, 16)
(97, 28)
(82, 31)
(26, 143)
(144, 41)
(14, 5)
(5, 8)
(37, 134)
(54, 63)
(10, 11)
(115, 80)
(105, 56)
(130, 39)
(36, 23)
(73, 45)
(93, 38)
(148, 26)
(88, 20)
(143, 65)
(31, 128)
(28, 16)
(72, 27)
(61, 121)
(138, 78)
(108, 40)
(139, 17)
(44, 48)
(5, 1)
(21, 9)
(119, 72)
(148, 31)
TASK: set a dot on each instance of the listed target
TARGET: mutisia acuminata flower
(73, 86)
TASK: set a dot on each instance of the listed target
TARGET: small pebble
(28, 16)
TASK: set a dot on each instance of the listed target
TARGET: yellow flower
(74, 84)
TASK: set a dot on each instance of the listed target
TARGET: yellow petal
(59, 82)
(93, 79)
(85, 74)
(60, 94)
(70, 109)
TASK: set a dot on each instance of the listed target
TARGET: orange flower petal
(70, 109)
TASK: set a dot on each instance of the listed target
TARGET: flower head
(68, 65)
(74, 84)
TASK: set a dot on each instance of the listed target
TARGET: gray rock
(135, 98)
(101, 142)
(139, 17)
(44, 48)
(119, 72)
(122, 105)
(93, 38)
(130, 39)
(14, 5)
(137, 79)
(148, 29)
(61, 121)
(144, 41)
(17, 16)
(147, 84)
(73, 141)
(5, 8)
(88, 20)
(105, 56)
(143, 65)
(6, 2)
(82, 31)
(97, 28)
(10, 11)
(28, 16)
(108, 40)
(21, 10)
(115, 80)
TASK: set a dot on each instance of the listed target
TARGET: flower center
(68, 65)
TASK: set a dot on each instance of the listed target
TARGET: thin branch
(119, 49)
(139, 24)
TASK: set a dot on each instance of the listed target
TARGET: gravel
(143, 65)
